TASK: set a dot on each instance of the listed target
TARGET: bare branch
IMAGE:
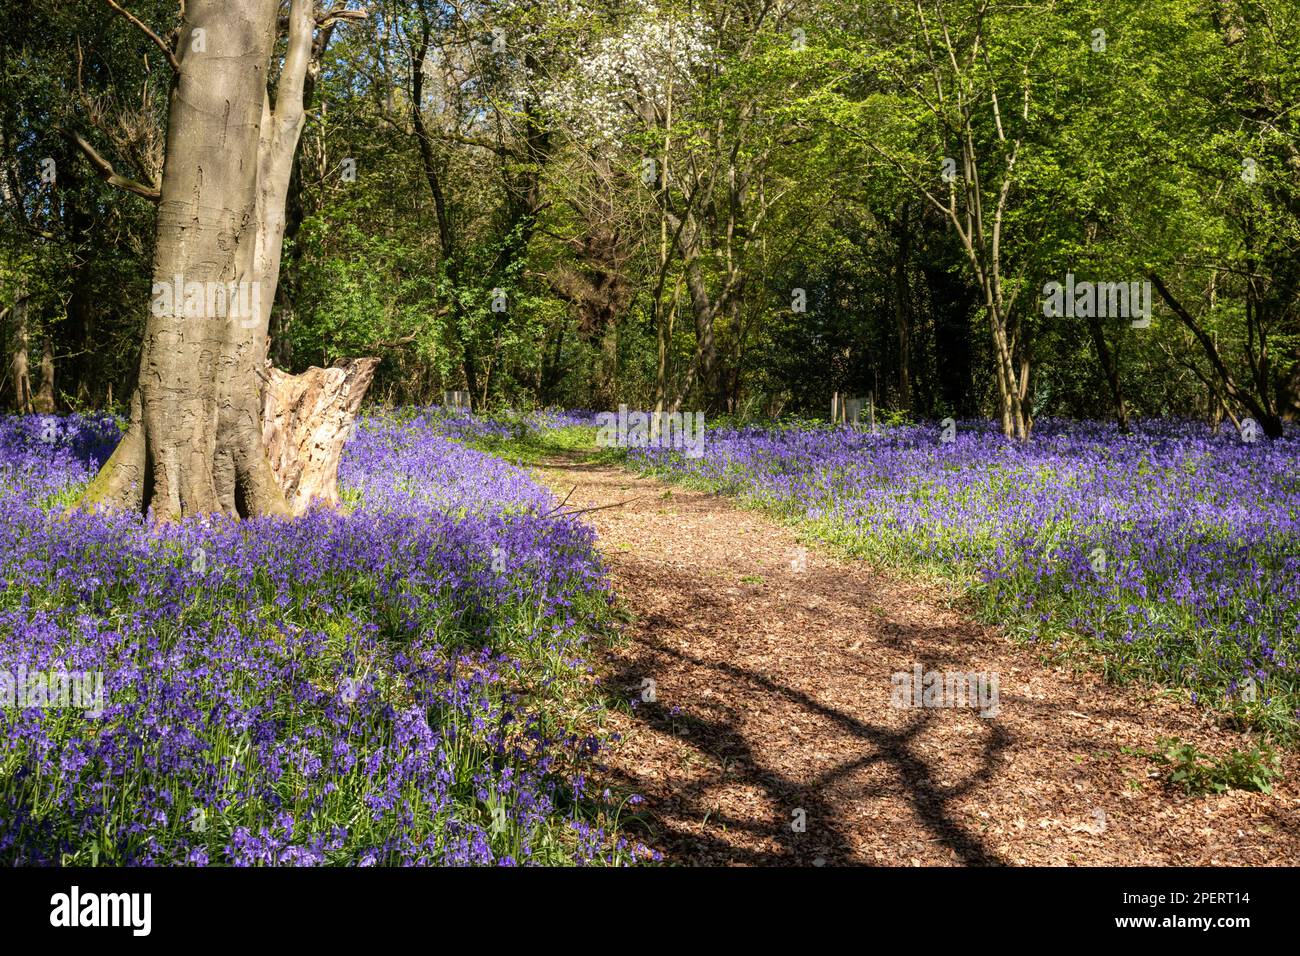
(110, 175)
(162, 44)
(338, 14)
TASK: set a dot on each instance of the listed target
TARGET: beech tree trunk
(195, 443)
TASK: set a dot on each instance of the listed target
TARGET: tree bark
(1289, 390)
(1109, 366)
(448, 249)
(18, 360)
(43, 400)
(903, 305)
(1257, 405)
(306, 420)
(194, 444)
(703, 308)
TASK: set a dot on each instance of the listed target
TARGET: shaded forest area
(738, 207)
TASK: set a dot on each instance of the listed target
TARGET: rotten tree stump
(306, 420)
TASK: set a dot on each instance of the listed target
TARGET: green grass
(529, 449)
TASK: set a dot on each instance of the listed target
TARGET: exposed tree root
(279, 460)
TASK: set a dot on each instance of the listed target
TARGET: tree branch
(1230, 386)
(339, 13)
(110, 175)
(162, 44)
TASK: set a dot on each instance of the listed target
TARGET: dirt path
(772, 704)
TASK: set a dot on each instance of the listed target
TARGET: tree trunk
(195, 441)
(1259, 406)
(1109, 366)
(18, 361)
(306, 420)
(903, 306)
(703, 308)
(43, 400)
(1289, 391)
(1010, 390)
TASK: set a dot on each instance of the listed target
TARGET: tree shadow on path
(723, 741)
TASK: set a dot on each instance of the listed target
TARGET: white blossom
(627, 77)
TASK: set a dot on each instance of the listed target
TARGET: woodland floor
(772, 692)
